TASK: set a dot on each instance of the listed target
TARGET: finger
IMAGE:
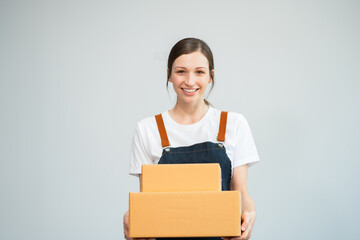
(126, 231)
(126, 225)
(246, 221)
(244, 226)
(245, 237)
(246, 234)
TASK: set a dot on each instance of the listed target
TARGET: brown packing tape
(184, 214)
(181, 177)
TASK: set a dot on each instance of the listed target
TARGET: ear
(212, 74)
(169, 79)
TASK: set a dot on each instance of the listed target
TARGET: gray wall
(77, 75)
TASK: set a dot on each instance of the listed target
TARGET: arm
(126, 222)
(126, 219)
(248, 215)
(138, 157)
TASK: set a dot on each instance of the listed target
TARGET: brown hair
(190, 45)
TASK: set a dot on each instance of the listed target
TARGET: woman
(195, 132)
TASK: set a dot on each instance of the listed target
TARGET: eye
(200, 72)
(180, 71)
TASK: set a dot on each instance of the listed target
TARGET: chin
(190, 100)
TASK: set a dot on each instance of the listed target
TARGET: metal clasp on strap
(167, 149)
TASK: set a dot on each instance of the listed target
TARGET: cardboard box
(181, 177)
(184, 214)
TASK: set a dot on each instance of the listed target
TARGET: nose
(190, 80)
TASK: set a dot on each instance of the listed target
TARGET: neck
(185, 113)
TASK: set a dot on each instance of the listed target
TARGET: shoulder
(236, 117)
(146, 122)
(236, 121)
(147, 126)
(232, 117)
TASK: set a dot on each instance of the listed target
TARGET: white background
(77, 75)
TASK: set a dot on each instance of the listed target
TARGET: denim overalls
(206, 152)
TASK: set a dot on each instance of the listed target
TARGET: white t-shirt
(147, 149)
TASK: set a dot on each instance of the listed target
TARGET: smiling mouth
(190, 90)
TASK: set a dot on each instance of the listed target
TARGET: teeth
(189, 90)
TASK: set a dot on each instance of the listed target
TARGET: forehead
(191, 60)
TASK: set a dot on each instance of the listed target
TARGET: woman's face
(190, 77)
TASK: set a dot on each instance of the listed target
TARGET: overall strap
(162, 131)
(222, 127)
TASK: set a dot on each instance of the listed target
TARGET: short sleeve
(245, 151)
(138, 154)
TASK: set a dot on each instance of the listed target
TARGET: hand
(248, 220)
(126, 226)
(126, 229)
